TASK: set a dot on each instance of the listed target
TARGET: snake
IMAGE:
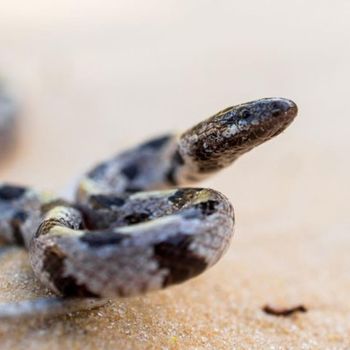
(136, 224)
(8, 118)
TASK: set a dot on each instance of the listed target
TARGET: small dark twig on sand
(283, 312)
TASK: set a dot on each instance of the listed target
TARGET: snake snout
(280, 114)
(282, 107)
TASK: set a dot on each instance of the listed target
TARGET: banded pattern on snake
(135, 226)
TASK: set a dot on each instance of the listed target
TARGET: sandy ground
(94, 77)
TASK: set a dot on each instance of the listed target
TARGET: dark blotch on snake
(176, 161)
(131, 171)
(183, 196)
(208, 207)
(205, 208)
(176, 197)
(174, 255)
(98, 172)
(133, 189)
(136, 218)
(18, 219)
(67, 285)
(100, 239)
(171, 177)
(8, 192)
(101, 201)
(156, 143)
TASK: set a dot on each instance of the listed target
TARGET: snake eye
(245, 114)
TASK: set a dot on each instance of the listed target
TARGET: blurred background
(94, 77)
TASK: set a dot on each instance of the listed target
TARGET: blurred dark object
(8, 112)
(284, 312)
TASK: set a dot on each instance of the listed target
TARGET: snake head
(221, 139)
(253, 123)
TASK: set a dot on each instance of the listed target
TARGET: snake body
(135, 225)
(7, 120)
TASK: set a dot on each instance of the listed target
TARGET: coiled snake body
(134, 227)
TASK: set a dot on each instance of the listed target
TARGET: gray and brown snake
(134, 227)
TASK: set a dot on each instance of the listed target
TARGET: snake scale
(135, 226)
